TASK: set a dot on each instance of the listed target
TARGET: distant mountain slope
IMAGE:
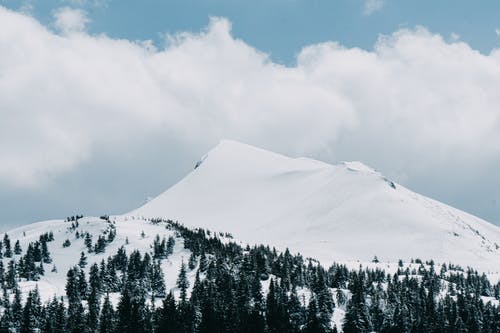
(130, 234)
(329, 212)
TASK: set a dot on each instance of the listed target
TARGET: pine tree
(277, 315)
(401, 318)
(313, 324)
(183, 283)
(2, 274)
(95, 280)
(297, 315)
(17, 308)
(45, 252)
(6, 245)
(107, 318)
(31, 320)
(82, 283)
(192, 261)
(17, 248)
(61, 316)
(88, 242)
(167, 316)
(170, 246)
(6, 319)
(76, 318)
(100, 245)
(357, 317)
(123, 312)
(83, 260)
(54, 317)
(93, 310)
(157, 281)
(203, 261)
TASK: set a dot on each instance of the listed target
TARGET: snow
(344, 212)
(127, 229)
(359, 167)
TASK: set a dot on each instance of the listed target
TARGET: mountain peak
(231, 150)
(330, 212)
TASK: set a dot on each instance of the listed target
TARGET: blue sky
(282, 28)
(94, 119)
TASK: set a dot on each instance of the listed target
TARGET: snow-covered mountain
(328, 212)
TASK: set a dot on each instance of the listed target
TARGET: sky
(106, 103)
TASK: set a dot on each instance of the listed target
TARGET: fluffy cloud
(372, 6)
(69, 20)
(415, 103)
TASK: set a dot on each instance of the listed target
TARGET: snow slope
(329, 212)
(132, 234)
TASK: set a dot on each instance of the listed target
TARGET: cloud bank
(414, 104)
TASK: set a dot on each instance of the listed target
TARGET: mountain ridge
(330, 212)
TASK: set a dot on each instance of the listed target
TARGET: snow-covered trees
(7, 248)
(183, 283)
(235, 289)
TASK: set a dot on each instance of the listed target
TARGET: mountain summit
(328, 212)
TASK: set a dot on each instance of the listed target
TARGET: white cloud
(69, 20)
(497, 31)
(372, 6)
(413, 104)
(454, 37)
(27, 8)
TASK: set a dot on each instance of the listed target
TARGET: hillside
(145, 272)
(329, 212)
(159, 276)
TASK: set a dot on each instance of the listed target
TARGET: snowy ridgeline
(329, 212)
(128, 274)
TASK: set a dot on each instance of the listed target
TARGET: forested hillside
(224, 286)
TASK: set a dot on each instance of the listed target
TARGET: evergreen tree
(277, 315)
(31, 317)
(6, 318)
(107, 318)
(93, 310)
(157, 281)
(203, 262)
(192, 261)
(313, 324)
(7, 248)
(297, 315)
(17, 248)
(170, 246)
(76, 316)
(17, 308)
(357, 317)
(45, 252)
(168, 321)
(183, 283)
(2, 274)
(88, 242)
(100, 245)
(83, 260)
